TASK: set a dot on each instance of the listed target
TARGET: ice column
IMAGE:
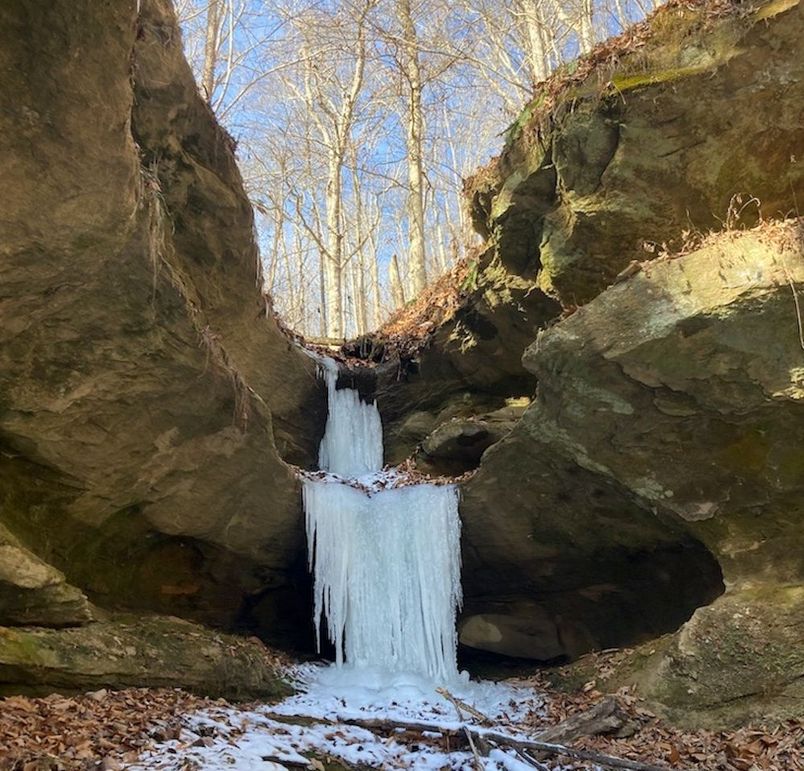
(386, 564)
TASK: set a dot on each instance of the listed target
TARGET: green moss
(131, 651)
(623, 83)
(774, 8)
(513, 131)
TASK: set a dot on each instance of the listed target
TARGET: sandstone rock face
(33, 592)
(472, 364)
(685, 384)
(147, 651)
(148, 401)
(667, 431)
(656, 480)
(739, 659)
(456, 446)
(696, 127)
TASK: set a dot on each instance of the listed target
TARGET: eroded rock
(156, 651)
(695, 127)
(665, 435)
(148, 400)
(33, 592)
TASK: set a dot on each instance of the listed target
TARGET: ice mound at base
(346, 693)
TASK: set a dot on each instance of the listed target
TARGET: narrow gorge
(609, 392)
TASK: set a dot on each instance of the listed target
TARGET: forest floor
(330, 727)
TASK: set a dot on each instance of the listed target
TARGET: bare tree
(414, 125)
(211, 48)
(356, 121)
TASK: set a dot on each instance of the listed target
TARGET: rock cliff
(628, 385)
(655, 480)
(148, 401)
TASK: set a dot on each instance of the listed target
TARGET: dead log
(603, 718)
(381, 725)
(479, 740)
(609, 761)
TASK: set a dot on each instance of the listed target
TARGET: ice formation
(352, 443)
(386, 564)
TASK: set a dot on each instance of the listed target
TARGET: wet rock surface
(126, 652)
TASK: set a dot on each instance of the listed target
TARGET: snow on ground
(312, 723)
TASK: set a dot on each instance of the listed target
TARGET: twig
(795, 301)
(527, 758)
(478, 761)
(571, 752)
(462, 705)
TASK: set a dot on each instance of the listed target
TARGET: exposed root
(159, 251)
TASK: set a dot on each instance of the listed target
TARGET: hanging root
(159, 252)
(216, 354)
(796, 303)
(151, 198)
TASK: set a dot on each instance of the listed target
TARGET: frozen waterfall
(385, 560)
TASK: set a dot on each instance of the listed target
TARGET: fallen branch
(479, 738)
(478, 761)
(463, 706)
(370, 723)
(603, 718)
(538, 765)
(610, 761)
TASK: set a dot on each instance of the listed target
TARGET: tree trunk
(537, 56)
(417, 266)
(376, 302)
(586, 30)
(395, 282)
(211, 48)
(333, 259)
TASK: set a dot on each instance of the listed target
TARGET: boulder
(663, 448)
(457, 445)
(126, 652)
(688, 122)
(33, 592)
(685, 386)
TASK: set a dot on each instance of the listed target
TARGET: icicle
(352, 443)
(387, 565)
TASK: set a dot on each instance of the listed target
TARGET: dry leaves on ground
(752, 748)
(100, 730)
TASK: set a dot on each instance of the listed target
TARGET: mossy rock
(137, 652)
(33, 592)
(683, 116)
